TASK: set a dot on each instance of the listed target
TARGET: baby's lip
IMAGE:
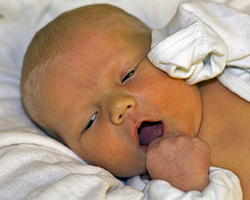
(148, 131)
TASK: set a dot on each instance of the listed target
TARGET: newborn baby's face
(109, 102)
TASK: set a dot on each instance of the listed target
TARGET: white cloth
(33, 165)
(224, 185)
(201, 40)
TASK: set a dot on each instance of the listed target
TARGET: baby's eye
(91, 121)
(128, 75)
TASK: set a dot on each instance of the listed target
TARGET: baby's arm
(181, 160)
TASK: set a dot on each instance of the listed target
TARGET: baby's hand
(179, 159)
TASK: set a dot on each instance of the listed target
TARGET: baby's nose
(119, 105)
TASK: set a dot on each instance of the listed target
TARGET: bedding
(33, 165)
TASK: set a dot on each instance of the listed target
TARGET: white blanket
(33, 165)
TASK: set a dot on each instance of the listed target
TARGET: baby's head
(50, 44)
(86, 80)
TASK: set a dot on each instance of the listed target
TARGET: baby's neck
(224, 113)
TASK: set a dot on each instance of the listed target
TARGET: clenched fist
(179, 159)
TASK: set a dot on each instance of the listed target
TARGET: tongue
(149, 131)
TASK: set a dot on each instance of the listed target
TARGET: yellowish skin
(82, 77)
(225, 127)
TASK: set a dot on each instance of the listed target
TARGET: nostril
(121, 115)
(119, 106)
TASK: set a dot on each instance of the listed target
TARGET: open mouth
(148, 131)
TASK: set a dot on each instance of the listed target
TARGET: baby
(87, 81)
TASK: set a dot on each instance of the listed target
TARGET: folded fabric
(201, 40)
